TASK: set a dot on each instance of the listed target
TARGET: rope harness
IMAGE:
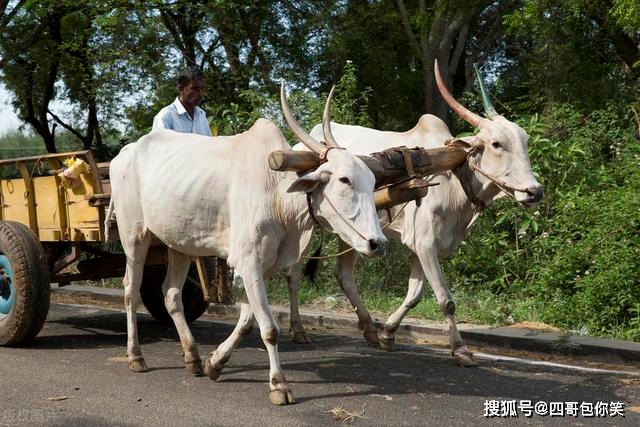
(322, 228)
(466, 184)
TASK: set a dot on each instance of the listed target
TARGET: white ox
(205, 197)
(497, 164)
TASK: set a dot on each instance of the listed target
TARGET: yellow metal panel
(14, 201)
(49, 235)
(29, 195)
(47, 207)
(84, 220)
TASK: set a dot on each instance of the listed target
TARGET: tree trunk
(445, 39)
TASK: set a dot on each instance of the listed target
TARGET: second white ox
(205, 197)
(497, 165)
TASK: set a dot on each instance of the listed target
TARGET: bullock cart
(52, 229)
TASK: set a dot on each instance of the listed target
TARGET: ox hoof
(387, 342)
(138, 365)
(194, 368)
(300, 338)
(211, 371)
(281, 397)
(464, 359)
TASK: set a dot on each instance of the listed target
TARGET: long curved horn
(297, 130)
(467, 115)
(486, 101)
(326, 122)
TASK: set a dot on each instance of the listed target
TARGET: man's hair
(188, 75)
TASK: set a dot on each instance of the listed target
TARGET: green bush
(574, 259)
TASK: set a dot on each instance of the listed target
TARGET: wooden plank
(48, 157)
(291, 160)
(56, 163)
(401, 192)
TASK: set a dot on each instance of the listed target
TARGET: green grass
(477, 307)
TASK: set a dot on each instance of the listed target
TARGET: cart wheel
(192, 296)
(24, 284)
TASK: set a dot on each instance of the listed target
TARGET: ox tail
(107, 220)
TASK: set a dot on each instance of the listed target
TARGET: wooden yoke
(292, 160)
(404, 191)
(398, 171)
(388, 166)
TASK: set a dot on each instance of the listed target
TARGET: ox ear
(308, 182)
(466, 143)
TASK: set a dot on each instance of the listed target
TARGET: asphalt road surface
(75, 374)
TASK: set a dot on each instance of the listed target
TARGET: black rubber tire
(192, 296)
(31, 284)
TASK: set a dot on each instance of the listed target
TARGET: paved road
(75, 374)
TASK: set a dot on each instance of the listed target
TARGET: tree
(394, 44)
(103, 59)
(30, 63)
(58, 51)
(575, 51)
(240, 46)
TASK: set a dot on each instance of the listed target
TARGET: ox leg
(294, 279)
(218, 358)
(345, 274)
(279, 391)
(136, 253)
(433, 271)
(177, 270)
(414, 295)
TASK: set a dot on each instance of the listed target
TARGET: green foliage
(232, 119)
(627, 14)
(575, 258)
(571, 51)
(350, 104)
(369, 37)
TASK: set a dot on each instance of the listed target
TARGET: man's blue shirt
(175, 117)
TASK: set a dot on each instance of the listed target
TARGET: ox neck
(479, 190)
(468, 181)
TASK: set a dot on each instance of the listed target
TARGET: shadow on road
(314, 369)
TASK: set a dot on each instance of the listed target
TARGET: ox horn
(467, 115)
(297, 130)
(486, 101)
(326, 122)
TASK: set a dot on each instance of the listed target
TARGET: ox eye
(345, 180)
(496, 145)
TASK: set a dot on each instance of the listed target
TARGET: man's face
(191, 94)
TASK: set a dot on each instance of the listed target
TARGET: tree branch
(66, 126)
(413, 41)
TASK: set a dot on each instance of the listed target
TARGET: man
(184, 115)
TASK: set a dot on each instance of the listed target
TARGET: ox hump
(428, 123)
